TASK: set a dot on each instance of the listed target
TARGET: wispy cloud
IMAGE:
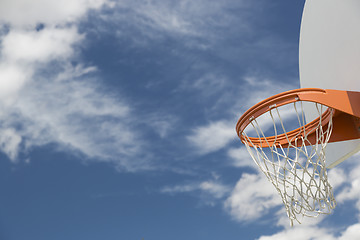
(162, 123)
(240, 157)
(74, 113)
(219, 134)
(70, 109)
(10, 142)
(210, 191)
(212, 137)
(215, 189)
(47, 99)
(181, 17)
(207, 85)
(196, 24)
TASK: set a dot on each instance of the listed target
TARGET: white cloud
(218, 135)
(210, 82)
(74, 114)
(20, 13)
(215, 189)
(198, 21)
(211, 188)
(10, 142)
(252, 198)
(351, 190)
(39, 46)
(162, 123)
(212, 137)
(160, 15)
(314, 232)
(337, 177)
(180, 188)
(241, 157)
(351, 233)
(258, 88)
(12, 78)
(207, 85)
(181, 17)
(301, 233)
(23, 51)
(45, 99)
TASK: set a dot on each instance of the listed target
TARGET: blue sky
(118, 121)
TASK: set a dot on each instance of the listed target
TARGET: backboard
(329, 57)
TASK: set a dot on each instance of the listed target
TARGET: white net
(296, 169)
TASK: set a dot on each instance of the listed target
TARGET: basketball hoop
(294, 161)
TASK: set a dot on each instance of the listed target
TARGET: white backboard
(329, 56)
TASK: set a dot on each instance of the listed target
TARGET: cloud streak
(47, 99)
(213, 137)
(183, 17)
(211, 190)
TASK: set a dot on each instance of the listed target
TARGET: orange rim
(345, 119)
